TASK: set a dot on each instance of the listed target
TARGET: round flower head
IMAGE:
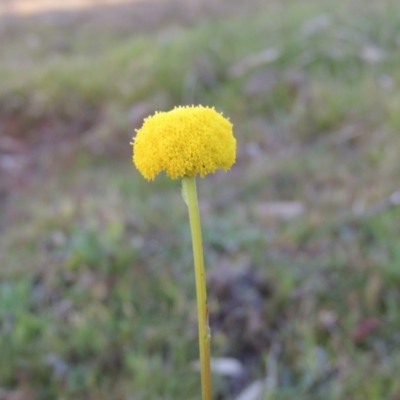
(184, 142)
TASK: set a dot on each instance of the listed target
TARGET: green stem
(190, 195)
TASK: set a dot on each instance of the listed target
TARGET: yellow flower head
(184, 142)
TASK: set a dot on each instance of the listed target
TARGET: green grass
(96, 278)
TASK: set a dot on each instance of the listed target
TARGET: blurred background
(301, 236)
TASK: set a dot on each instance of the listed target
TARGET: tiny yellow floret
(185, 141)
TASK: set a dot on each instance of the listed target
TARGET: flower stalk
(190, 196)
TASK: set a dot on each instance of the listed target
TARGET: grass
(96, 280)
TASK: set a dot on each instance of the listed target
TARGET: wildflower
(184, 142)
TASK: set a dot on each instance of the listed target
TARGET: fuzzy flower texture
(185, 141)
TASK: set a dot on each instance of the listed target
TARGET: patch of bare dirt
(37, 6)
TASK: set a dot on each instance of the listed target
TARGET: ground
(300, 236)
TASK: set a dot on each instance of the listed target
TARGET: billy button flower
(186, 142)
